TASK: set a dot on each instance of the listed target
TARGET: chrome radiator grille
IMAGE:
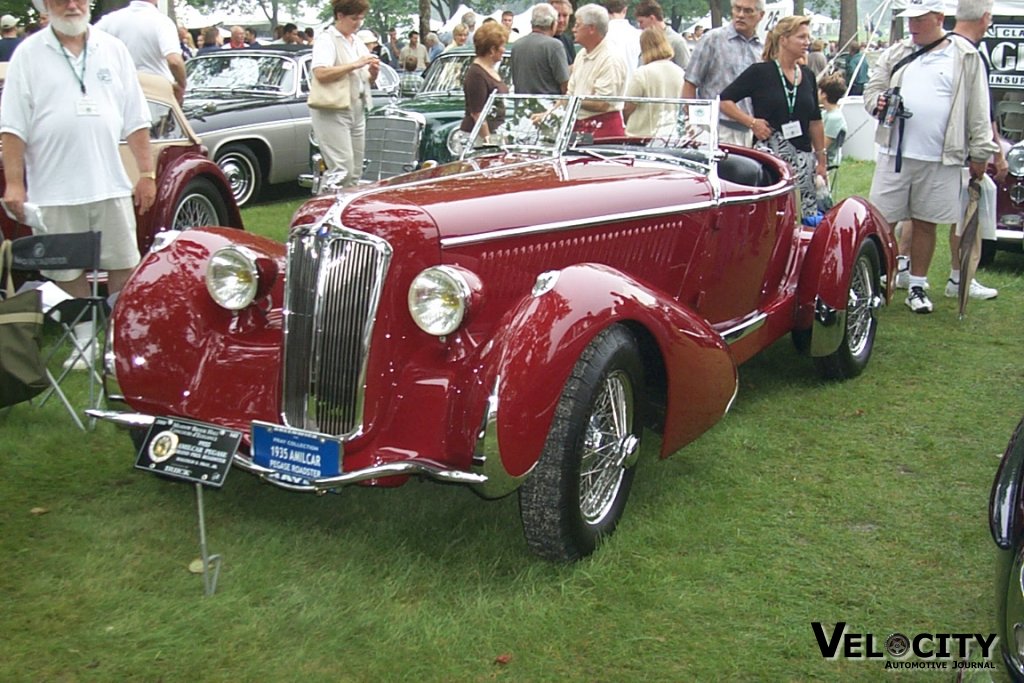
(332, 290)
(392, 146)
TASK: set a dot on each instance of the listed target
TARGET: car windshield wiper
(626, 157)
(257, 89)
(196, 89)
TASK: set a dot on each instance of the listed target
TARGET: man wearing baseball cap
(9, 37)
(918, 170)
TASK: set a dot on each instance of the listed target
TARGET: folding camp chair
(72, 251)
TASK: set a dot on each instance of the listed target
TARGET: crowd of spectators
(779, 90)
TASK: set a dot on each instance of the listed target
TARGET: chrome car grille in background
(332, 289)
(392, 146)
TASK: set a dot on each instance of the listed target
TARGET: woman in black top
(784, 96)
(482, 78)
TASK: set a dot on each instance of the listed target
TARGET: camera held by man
(890, 107)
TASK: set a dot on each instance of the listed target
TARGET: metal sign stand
(196, 452)
(211, 563)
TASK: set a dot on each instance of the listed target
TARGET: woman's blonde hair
(787, 26)
(654, 45)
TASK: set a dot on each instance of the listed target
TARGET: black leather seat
(742, 170)
(734, 168)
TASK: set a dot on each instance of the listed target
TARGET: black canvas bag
(22, 374)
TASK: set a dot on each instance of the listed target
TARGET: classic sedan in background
(510, 321)
(191, 190)
(402, 136)
(250, 108)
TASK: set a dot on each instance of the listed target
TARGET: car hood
(519, 192)
(428, 105)
(200, 106)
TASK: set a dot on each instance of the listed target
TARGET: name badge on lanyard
(792, 130)
(87, 106)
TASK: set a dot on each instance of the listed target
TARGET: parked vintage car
(191, 190)
(402, 136)
(1006, 522)
(509, 321)
(1009, 207)
(250, 107)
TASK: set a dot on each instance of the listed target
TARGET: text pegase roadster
(509, 321)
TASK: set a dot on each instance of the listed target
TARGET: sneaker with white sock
(977, 290)
(918, 301)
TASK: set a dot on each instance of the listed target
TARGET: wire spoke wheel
(195, 210)
(200, 204)
(860, 308)
(577, 492)
(608, 436)
(862, 302)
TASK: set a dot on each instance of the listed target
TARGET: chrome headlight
(232, 278)
(458, 141)
(439, 299)
(1015, 160)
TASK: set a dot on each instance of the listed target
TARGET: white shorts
(925, 190)
(734, 136)
(115, 218)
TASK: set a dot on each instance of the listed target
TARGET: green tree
(384, 14)
(679, 12)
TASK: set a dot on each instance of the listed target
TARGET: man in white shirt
(599, 70)
(622, 36)
(152, 41)
(918, 170)
(70, 96)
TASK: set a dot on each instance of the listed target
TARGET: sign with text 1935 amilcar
(188, 450)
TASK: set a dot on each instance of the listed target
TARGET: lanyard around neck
(790, 90)
(67, 58)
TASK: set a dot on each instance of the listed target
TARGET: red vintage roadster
(509, 321)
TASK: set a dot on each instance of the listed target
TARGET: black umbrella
(970, 244)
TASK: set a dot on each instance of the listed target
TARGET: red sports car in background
(509, 321)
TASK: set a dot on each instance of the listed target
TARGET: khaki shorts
(115, 218)
(925, 190)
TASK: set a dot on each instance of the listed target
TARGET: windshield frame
(697, 131)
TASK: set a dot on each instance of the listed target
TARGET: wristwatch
(148, 174)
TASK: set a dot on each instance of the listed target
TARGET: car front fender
(545, 336)
(823, 288)
(178, 353)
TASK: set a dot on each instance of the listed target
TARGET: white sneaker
(977, 291)
(918, 301)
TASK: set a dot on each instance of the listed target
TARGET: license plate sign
(298, 456)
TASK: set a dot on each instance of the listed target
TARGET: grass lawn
(863, 502)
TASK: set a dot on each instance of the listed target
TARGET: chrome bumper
(423, 468)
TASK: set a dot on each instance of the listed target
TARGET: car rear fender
(546, 334)
(823, 287)
(187, 168)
